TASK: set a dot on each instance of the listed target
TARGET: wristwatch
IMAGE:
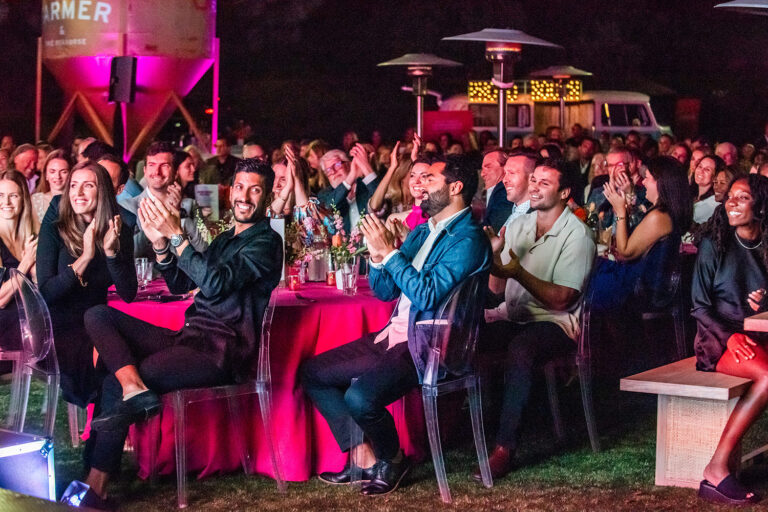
(177, 240)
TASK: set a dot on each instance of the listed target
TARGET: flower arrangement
(345, 247)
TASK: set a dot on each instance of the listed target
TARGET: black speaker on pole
(122, 80)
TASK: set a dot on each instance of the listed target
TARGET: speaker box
(122, 79)
(26, 464)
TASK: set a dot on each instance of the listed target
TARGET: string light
(548, 90)
(483, 91)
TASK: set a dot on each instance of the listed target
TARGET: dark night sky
(306, 68)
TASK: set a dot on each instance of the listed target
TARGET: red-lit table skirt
(301, 329)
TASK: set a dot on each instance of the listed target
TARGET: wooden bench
(693, 408)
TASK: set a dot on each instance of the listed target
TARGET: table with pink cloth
(316, 319)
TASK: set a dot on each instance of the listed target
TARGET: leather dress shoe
(386, 477)
(127, 412)
(344, 477)
(500, 462)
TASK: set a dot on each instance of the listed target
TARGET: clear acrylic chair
(38, 356)
(260, 385)
(450, 357)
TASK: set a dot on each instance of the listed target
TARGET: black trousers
(382, 376)
(162, 364)
(526, 346)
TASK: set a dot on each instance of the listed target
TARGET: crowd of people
(541, 221)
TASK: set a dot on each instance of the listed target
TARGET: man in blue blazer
(497, 206)
(351, 185)
(436, 257)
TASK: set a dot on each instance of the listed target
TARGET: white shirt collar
(443, 223)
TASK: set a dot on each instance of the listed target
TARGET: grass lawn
(619, 478)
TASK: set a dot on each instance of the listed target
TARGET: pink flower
(307, 257)
(351, 248)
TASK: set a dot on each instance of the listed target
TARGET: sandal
(729, 491)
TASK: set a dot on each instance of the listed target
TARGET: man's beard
(436, 201)
(257, 214)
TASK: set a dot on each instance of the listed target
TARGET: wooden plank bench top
(682, 379)
(757, 322)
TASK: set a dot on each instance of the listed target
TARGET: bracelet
(164, 250)
(620, 218)
(78, 275)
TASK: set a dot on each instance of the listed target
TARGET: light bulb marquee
(548, 90)
(483, 91)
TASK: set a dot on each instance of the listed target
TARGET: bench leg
(687, 433)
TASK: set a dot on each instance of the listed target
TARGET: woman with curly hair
(728, 285)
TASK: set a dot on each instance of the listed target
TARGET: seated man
(546, 257)
(161, 185)
(350, 188)
(497, 206)
(219, 341)
(436, 257)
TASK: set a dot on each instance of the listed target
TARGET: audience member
(315, 151)
(54, 174)
(24, 160)
(387, 364)
(497, 207)
(728, 152)
(219, 342)
(702, 191)
(219, 169)
(729, 283)
(80, 254)
(579, 169)
(545, 256)
(18, 249)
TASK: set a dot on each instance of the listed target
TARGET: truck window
(624, 114)
(518, 116)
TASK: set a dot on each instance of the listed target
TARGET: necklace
(745, 246)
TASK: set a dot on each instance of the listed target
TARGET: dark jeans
(527, 346)
(382, 375)
(162, 364)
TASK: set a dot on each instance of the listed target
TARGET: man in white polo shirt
(546, 259)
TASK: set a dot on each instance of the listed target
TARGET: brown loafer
(500, 461)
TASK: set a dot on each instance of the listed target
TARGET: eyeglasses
(334, 167)
(617, 165)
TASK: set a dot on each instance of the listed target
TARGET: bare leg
(750, 407)
(98, 480)
(363, 456)
(129, 379)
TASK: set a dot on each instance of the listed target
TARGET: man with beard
(546, 258)
(219, 341)
(435, 258)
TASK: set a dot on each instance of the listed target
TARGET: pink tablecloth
(301, 329)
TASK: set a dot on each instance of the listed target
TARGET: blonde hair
(26, 224)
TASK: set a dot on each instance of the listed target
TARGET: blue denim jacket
(461, 250)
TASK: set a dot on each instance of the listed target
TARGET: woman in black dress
(18, 247)
(728, 285)
(79, 257)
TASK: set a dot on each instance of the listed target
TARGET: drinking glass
(143, 272)
(349, 274)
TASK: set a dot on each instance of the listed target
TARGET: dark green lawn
(619, 478)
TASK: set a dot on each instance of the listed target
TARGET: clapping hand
(616, 198)
(497, 241)
(360, 160)
(89, 244)
(111, 242)
(398, 228)
(157, 221)
(394, 156)
(513, 268)
(416, 147)
(173, 200)
(380, 240)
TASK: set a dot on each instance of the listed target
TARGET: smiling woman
(81, 254)
(18, 246)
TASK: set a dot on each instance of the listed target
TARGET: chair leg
(236, 419)
(14, 408)
(554, 401)
(585, 383)
(476, 413)
(52, 395)
(154, 428)
(74, 424)
(429, 397)
(21, 417)
(265, 404)
(356, 438)
(180, 431)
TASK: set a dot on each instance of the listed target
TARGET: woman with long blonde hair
(18, 248)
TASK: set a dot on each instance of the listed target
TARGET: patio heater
(759, 7)
(420, 69)
(560, 75)
(502, 48)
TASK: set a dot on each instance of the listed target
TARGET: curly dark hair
(720, 231)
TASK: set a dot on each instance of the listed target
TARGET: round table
(316, 319)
